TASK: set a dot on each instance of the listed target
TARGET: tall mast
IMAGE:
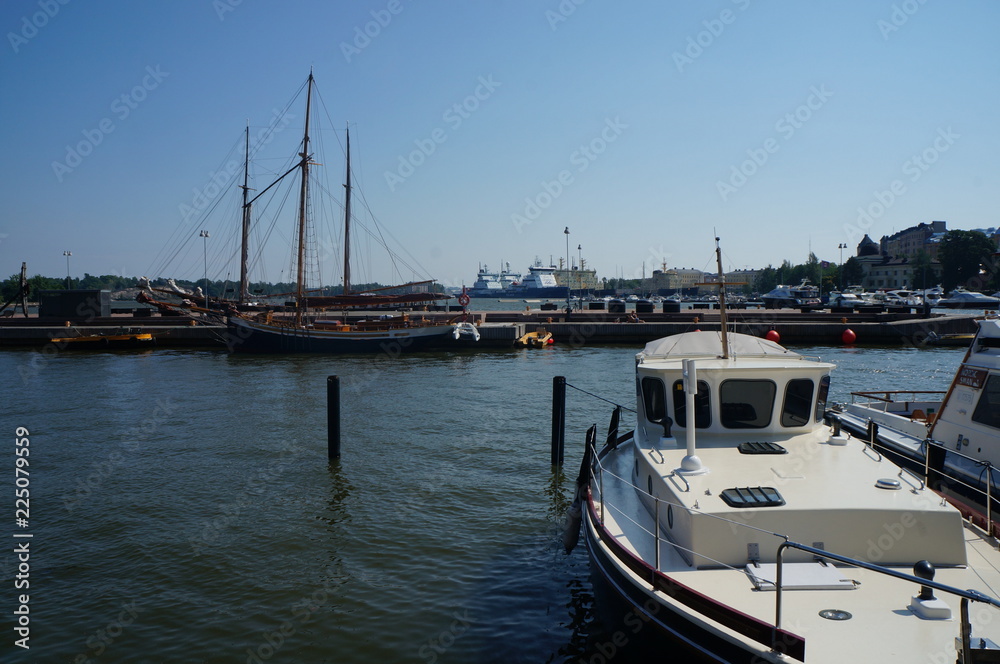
(244, 250)
(303, 193)
(347, 218)
(722, 302)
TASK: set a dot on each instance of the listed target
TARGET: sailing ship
(296, 330)
(733, 525)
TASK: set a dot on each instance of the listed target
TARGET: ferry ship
(540, 283)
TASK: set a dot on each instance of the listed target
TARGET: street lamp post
(204, 234)
(67, 254)
(567, 266)
(842, 246)
(579, 267)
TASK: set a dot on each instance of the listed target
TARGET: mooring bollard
(558, 419)
(333, 416)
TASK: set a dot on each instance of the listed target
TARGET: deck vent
(761, 448)
(753, 496)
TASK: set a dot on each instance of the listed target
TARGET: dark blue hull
(243, 338)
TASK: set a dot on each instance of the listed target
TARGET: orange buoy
(772, 335)
(848, 337)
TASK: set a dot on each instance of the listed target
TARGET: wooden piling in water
(558, 419)
(333, 417)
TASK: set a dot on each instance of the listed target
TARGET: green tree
(966, 260)
(924, 275)
(851, 272)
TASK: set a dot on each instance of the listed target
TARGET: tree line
(220, 289)
(965, 258)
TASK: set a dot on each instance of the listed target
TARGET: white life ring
(464, 299)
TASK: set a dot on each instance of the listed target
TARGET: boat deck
(882, 627)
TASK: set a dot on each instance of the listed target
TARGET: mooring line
(616, 405)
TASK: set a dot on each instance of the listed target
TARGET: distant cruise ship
(487, 284)
(540, 283)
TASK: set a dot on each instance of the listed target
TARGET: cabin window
(746, 404)
(988, 408)
(654, 399)
(702, 405)
(798, 403)
(824, 392)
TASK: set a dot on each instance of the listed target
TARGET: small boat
(803, 295)
(954, 434)
(949, 339)
(732, 524)
(539, 338)
(121, 339)
(932, 295)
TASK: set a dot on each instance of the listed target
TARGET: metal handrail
(874, 394)
(988, 493)
(923, 482)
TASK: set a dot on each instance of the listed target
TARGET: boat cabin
(738, 434)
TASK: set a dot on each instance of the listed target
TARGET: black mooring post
(333, 416)
(558, 419)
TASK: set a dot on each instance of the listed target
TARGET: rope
(617, 405)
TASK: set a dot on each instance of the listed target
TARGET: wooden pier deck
(580, 327)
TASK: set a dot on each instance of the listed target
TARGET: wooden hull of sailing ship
(253, 337)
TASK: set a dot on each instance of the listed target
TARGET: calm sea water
(183, 509)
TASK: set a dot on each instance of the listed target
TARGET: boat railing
(890, 396)
(985, 495)
(598, 473)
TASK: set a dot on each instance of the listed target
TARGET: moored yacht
(954, 434)
(734, 523)
(966, 299)
(803, 295)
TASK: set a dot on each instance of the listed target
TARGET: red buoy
(848, 337)
(772, 335)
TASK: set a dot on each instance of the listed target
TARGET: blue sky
(645, 127)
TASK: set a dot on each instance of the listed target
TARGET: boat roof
(702, 344)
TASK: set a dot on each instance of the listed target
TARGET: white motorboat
(903, 298)
(966, 299)
(803, 295)
(845, 300)
(932, 295)
(955, 434)
(734, 525)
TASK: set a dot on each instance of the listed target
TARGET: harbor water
(182, 507)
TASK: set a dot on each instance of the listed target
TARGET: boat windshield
(797, 410)
(988, 409)
(702, 406)
(746, 404)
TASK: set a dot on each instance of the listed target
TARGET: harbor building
(892, 262)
